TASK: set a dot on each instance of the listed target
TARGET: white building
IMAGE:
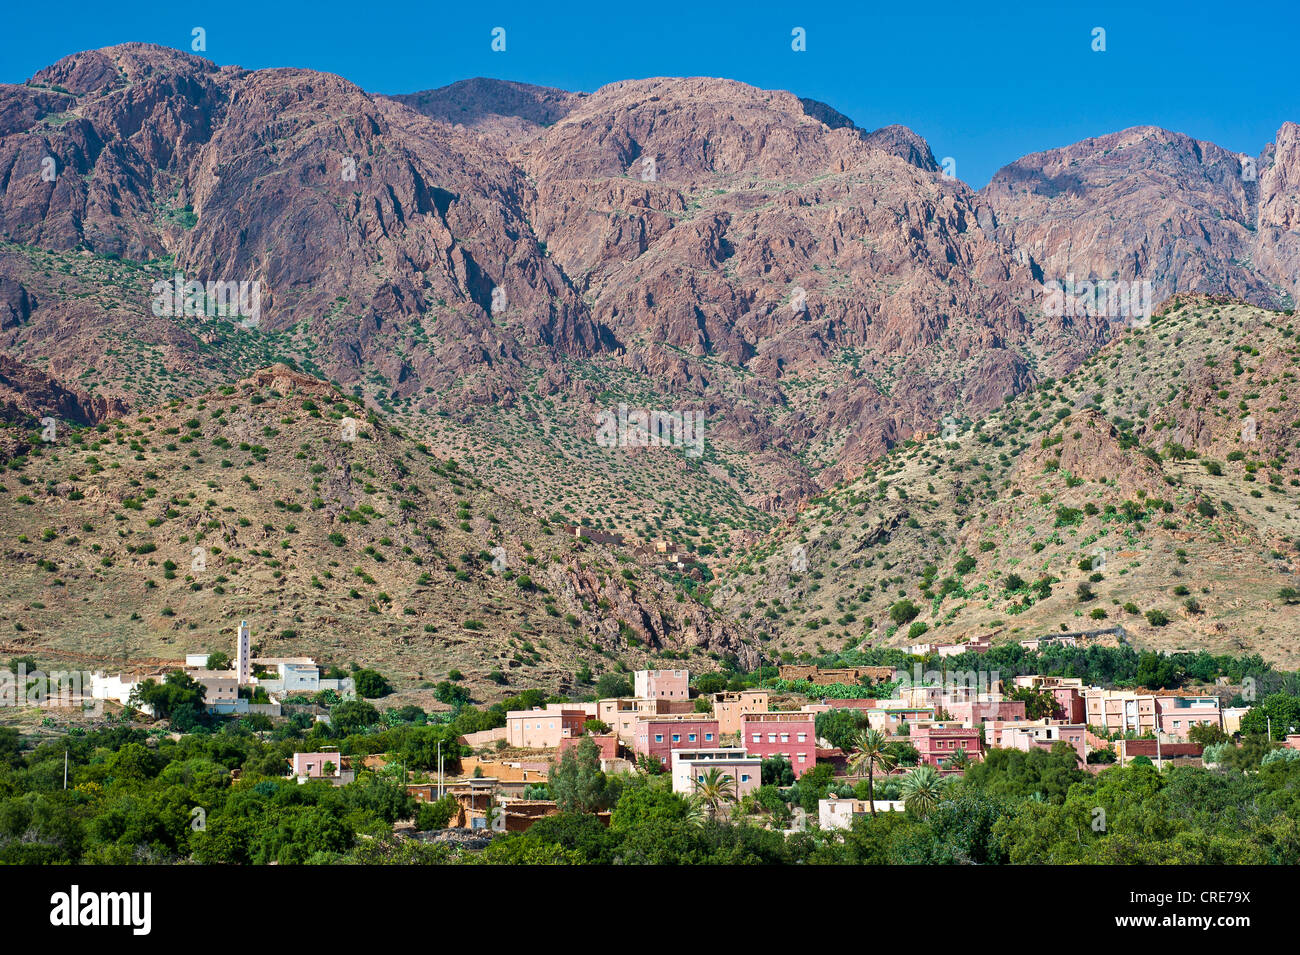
(244, 654)
(118, 687)
(835, 813)
(690, 766)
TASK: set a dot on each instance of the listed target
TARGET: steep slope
(802, 279)
(1154, 488)
(358, 218)
(1146, 203)
(495, 264)
(152, 535)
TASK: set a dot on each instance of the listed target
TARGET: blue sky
(983, 83)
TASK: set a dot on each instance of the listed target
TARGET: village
(865, 733)
(732, 740)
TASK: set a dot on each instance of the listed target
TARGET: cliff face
(823, 291)
(1145, 203)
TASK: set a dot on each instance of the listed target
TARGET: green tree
(644, 805)
(922, 790)
(714, 791)
(868, 752)
(841, 727)
(577, 782)
(370, 684)
(612, 685)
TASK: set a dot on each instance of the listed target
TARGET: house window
(758, 737)
(803, 737)
(785, 737)
(659, 737)
(708, 737)
(690, 737)
(677, 737)
(744, 777)
(771, 737)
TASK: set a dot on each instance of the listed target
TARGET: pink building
(1178, 714)
(607, 745)
(793, 735)
(543, 729)
(317, 765)
(1025, 735)
(622, 714)
(973, 713)
(663, 684)
(1120, 712)
(1125, 711)
(1066, 691)
(657, 737)
(937, 742)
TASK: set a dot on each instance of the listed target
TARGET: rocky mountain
(492, 268)
(1147, 203)
(1155, 488)
(279, 500)
(739, 248)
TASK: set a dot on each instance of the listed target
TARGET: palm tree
(871, 749)
(714, 790)
(960, 759)
(922, 789)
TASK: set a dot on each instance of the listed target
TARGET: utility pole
(439, 769)
(65, 769)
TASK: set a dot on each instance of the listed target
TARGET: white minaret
(244, 655)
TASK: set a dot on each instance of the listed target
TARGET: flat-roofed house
(220, 687)
(937, 742)
(667, 684)
(657, 737)
(1178, 714)
(622, 714)
(789, 734)
(691, 766)
(728, 707)
(1025, 735)
(543, 728)
(837, 813)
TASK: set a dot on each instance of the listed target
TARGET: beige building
(543, 729)
(729, 707)
(219, 686)
(837, 813)
(621, 715)
(1232, 718)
